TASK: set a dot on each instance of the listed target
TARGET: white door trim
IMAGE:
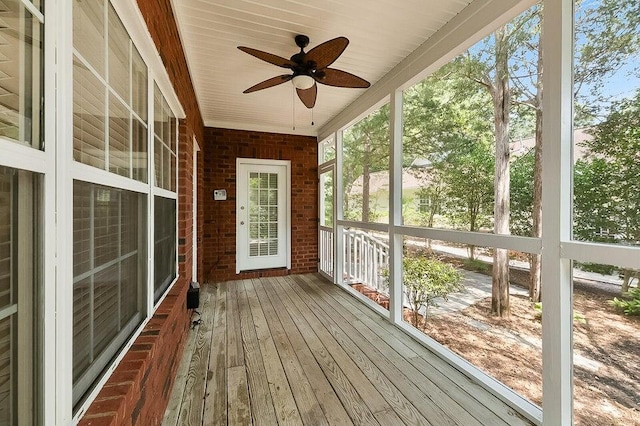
(265, 162)
(194, 256)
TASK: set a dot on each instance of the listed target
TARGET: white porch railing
(365, 257)
(326, 250)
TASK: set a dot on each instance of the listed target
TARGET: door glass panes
(606, 136)
(21, 76)
(20, 275)
(365, 168)
(263, 214)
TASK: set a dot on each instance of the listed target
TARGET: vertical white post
(557, 289)
(338, 214)
(194, 258)
(395, 208)
(64, 218)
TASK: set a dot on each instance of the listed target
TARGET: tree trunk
(366, 180)
(535, 288)
(502, 107)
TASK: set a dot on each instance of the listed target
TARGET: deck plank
(177, 392)
(324, 393)
(371, 395)
(345, 390)
(283, 400)
(239, 409)
(262, 410)
(215, 401)
(306, 401)
(191, 410)
(235, 352)
(396, 389)
(474, 398)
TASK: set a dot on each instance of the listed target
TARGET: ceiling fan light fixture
(303, 82)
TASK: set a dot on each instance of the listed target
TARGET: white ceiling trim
(259, 128)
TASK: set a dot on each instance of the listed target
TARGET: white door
(262, 214)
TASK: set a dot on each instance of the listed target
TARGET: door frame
(266, 162)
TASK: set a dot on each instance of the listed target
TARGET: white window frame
(60, 170)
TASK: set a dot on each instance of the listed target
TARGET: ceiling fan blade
(326, 53)
(268, 57)
(269, 83)
(339, 78)
(308, 96)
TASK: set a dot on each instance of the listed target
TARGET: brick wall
(138, 391)
(221, 148)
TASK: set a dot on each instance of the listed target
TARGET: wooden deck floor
(299, 350)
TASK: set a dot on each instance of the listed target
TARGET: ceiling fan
(309, 68)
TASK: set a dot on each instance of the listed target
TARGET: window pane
(8, 379)
(109, 276)
(88, 117)
(165, 131)
(606, 142)
(447, 294)
(606, 359)
(365, 168)
(139, 86)
(366, 263)
(21, 77)
(20, 277)
(140, 152)
(88, 32)
(164, 243)
(119, 147)
(119, 73)
(326, 150)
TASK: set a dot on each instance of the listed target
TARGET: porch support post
(395, 208)
(338, 214)
(557, 291)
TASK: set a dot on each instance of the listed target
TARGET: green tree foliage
(607, 182)
(522, 194)
(366, 151)
(425, 279)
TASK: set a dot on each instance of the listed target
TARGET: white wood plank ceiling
(381, 34)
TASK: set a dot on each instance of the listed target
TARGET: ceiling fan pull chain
(312, 123)
(293, 104)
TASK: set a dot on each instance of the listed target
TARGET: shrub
(577, 317)
(426, 279)
(630, 305)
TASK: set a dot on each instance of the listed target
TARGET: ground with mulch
(606, 355)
